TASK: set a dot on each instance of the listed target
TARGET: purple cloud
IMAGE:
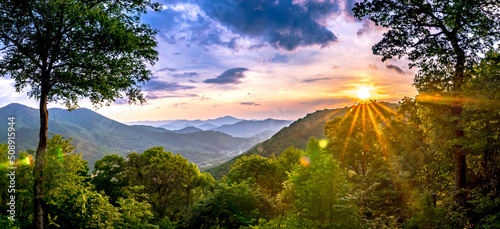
(231, 76)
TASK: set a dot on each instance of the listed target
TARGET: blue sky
(256, 59)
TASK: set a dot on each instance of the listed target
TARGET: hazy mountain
(297, 135)
(183, 123)
(96, 136)
(226, 120)
(148, 123)
(246, 129)
(187, 130)
(235, 127)
(206, 126)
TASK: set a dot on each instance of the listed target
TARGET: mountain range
(296, 134)
(235, 127)
(178, 124)
(96, 136)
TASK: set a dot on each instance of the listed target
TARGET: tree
(65, 50)
(171, 182)
(110, 176)
(228, 206)
(443, 39)
(265, 172)
(320, 192)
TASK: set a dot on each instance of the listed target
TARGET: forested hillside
(97, 136)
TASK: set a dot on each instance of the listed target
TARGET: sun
(364, 93)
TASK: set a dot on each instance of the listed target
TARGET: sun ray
(453, 100)
(439, 99)
(379, 113)
(355, 118)
(382, 141)
(382, 116)
(363, 118)
(329, 117)
(392, 111)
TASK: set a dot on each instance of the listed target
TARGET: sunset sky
(256, 59)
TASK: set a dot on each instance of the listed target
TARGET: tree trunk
(459, 155)
(40, 160)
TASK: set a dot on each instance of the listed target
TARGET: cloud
(186, 75)
(121, 101)
(349, 4)
(155, 85)
(278, 58)
(167, 20)
(325, 101)
(257, 46)
(284, 24)
(366, 27)
(314, 80)
(213, 36)
(372, 66)
(164, 96)
(203, 98)
(250, 104)
(395, 68)
(176, 105)
(231, 76)
(184, 23)
(166, 70)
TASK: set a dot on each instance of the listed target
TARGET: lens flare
(305, 161)
(323, 143)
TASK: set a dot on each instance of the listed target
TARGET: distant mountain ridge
(227, 124)
(96, 136)
(247, 129)
(178, 124)
(188, 130)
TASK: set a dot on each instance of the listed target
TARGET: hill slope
(297, 135)
(96, 136)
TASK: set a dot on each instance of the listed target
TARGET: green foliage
(168, 183)
(109, 176)
(23, 188)
(228, 206)
(73, 49)
(482, 114)
(71, 200)
(172, 183)
(320, 193)
(266, 173)
(134, 214)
